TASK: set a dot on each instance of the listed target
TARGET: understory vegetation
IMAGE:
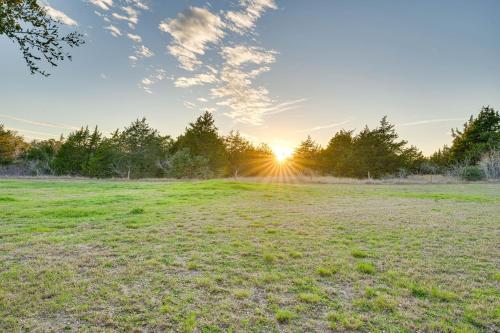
(140, 151)
(225, 256)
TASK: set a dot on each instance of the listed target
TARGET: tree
(182, 164)
(76, 152)
(479, 135)
(105, 162)
(307, 157)
(26, 23)
(377, 152)
(441, 158)
(202, 139)
(41, 155)
(237, 150)
(140, 150)
(11, 145)
(338, 153)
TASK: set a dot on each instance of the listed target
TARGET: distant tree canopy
(140, 151)
(371, 153)
(201, 138)
(480, 136)
(38, 35)
(11, 145)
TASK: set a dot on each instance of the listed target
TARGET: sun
(282, 153)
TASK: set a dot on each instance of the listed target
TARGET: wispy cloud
(113, 30)
(122, 16)
(41, 134)
(135, 38)
(189, 105)
(231, 79)
(244, 20)
(158, 75)
(322, 127)
(59, 16)
(192, 32)
(132, 16)
(431, 121)
(103, 4)
(241, 54)
(197, 80)
(40, 123)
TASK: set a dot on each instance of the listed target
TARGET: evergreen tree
(307, 157)
(238, 152)
(338, 153)
(140, 150)
(479, 135)
(202, 139)
(76, 152)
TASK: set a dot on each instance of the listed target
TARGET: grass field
(221, 256)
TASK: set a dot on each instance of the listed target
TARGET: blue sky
(277, 70)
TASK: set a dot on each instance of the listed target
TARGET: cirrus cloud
(192, 32)
(59, 16)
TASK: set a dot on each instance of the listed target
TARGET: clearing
(223, 256)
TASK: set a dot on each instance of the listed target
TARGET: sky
(277, 70)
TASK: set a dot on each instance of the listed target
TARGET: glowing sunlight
(282, 153)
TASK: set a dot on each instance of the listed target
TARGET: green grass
(222, 256)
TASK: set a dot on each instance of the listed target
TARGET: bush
(490, 164)
(472, 173)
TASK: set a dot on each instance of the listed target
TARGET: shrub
(326, 271)
(490, 164)
(284, 316)
(359, 254)
(366, 267)
(137, 211)
(472, 173)
(309, 298)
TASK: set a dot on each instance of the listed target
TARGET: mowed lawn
(223, 256)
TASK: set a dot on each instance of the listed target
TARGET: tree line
(140, 151)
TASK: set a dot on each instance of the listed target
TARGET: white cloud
(139, 4)
(132, 16)
(245, 20)
(135, 38)
(241, 54)
(40, 123)
(247, 104)
(196, 30)
(197, 80)
(147, 83)
(103, 4)
(431, 121)
(192, 31)
(189, 105)
(318, 128)
(59, 16)
(114, 30)
(144, 52)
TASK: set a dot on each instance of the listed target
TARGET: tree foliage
(11, 145)
(140, 151)
(38, 35)
(479, 135)
(238, 151)
(307, 157)
(201, 138)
